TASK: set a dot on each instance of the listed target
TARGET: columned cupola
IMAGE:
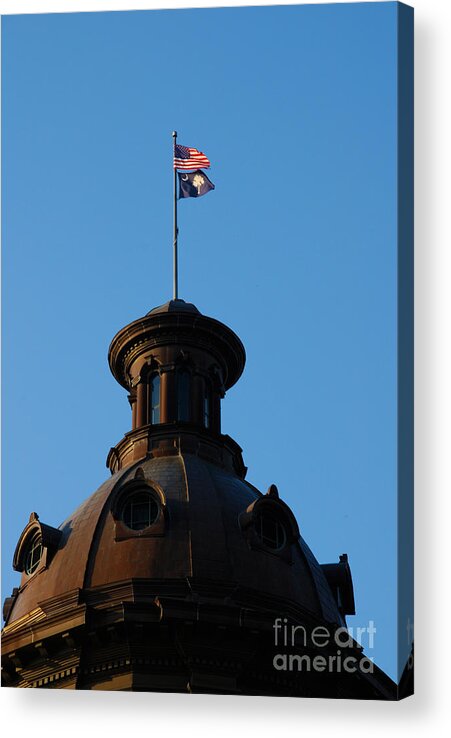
(177, 365)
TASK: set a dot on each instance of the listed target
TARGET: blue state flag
(194, 184)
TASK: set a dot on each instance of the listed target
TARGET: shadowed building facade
(177, 574)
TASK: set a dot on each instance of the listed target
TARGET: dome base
(169, 439)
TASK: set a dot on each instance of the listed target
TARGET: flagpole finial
(174, 134)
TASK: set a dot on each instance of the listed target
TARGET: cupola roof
(174, 306)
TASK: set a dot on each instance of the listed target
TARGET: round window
(140, 510)
(271, 531)
(33, 555)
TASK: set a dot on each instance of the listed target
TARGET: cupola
(177, 365)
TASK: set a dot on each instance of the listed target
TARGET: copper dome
(202, 542)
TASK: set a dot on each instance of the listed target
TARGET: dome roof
(176, 325)
(202, 540)
(174, 306)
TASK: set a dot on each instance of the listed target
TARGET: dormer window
(269, 526)
(183, 395)
(270, 530)
(33, 555)
(36, 546)
(154, 391)
(140, 510)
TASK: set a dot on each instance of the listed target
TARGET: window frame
(271, 507)
(269, 517)
(128, 500)
(185, 373)
(153, 406)
(207, 406)
(34, 533)
(34, 543)
(129, 489)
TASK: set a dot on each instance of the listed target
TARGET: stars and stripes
(185, 157)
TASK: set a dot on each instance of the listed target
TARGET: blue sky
(295, 250)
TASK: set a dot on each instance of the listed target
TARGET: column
(141, 404)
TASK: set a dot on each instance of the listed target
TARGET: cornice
(172, 329)
(114, 629)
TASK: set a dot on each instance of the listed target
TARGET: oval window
(271, 531)
(139, 510)
(33, 556)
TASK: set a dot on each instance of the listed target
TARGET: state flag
(194, 184)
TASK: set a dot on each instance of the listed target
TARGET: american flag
(186, 157)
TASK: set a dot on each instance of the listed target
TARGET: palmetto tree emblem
(198, 181)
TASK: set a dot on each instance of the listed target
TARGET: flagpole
(176, 230)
